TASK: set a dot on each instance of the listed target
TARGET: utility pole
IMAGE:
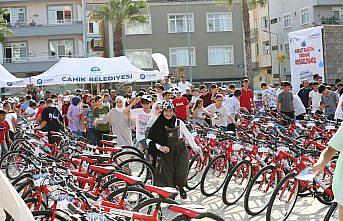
(189, 43)
(85, 27)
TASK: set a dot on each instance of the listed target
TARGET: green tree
(116, 12)
(246, 29)
(4, 30)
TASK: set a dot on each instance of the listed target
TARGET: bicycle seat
(108, 143)
(55, 133)
(110, 149)
(102, 157)
(192, 211)
(102, 169)
(132, 180)
(165, 192)
(109, 136)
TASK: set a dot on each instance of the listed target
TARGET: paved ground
(307, 209)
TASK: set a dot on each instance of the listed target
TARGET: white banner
(103, 78)
(94, 70)
(306, 55)
(162, 63)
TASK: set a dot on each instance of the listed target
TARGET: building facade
(292, 15)
(43, 32)
(261, 46)
(211, 33)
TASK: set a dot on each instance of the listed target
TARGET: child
(4, 134)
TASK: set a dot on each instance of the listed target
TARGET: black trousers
(289, 114)
(98, 135)
(231, 127)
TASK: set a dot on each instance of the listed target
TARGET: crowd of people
(157, 115)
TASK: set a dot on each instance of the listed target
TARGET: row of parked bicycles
(260, 162)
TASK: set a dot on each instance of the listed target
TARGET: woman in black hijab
(166, 141)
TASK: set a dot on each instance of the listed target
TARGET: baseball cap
(147, 97)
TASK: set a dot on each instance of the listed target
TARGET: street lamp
(271, 51)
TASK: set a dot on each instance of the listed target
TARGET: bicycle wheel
(46, 216)
(332, 214)
(195, 172)
(260, 189)
(283, 199)
(149, 207)
(139, 168)
(13, 164)
(20, 179)
(113, 185)
(126, 155)
(26, 188)
(130, 197)
(215, 175)
(237, 182)
(205, 216)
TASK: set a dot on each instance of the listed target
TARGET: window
(274, 48)
(220, 55)
(136, 28)
(305, 16)
(257, 49)
(287, 22)
(273, 21)
(217, 22)
(287, 48)
(179, 57)
(60, 14)
(264, 22)
(93, 27)
(141, 58)
(61, 48)
(15, 52)
(266, 48)
(178, 23)
(15, 16)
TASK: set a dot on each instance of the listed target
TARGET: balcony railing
(31, 59)
(328, 21)
(19, 24)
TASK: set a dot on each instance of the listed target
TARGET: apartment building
(210, 32)
(215, 39)
(261, 46)
(291, 15)
(43, 32)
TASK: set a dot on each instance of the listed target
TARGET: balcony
(327, 2)
(328, 21)
(32, 29)
(31, 64)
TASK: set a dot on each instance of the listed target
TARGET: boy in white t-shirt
(315, 97)
(31, 110)
(141, 117)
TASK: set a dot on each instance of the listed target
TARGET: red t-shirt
(247, 99)
(181, 107)
(40, 110)
(4, 128)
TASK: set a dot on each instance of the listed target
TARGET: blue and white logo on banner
(142, 76)
(39, 81)
(95, 69)
(9, 84)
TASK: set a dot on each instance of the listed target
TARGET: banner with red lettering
(306, 55)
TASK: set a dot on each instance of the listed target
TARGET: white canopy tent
(9, 80)
(94, 70)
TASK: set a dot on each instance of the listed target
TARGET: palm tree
(4, 31)
(116, 12)
(246, 30)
